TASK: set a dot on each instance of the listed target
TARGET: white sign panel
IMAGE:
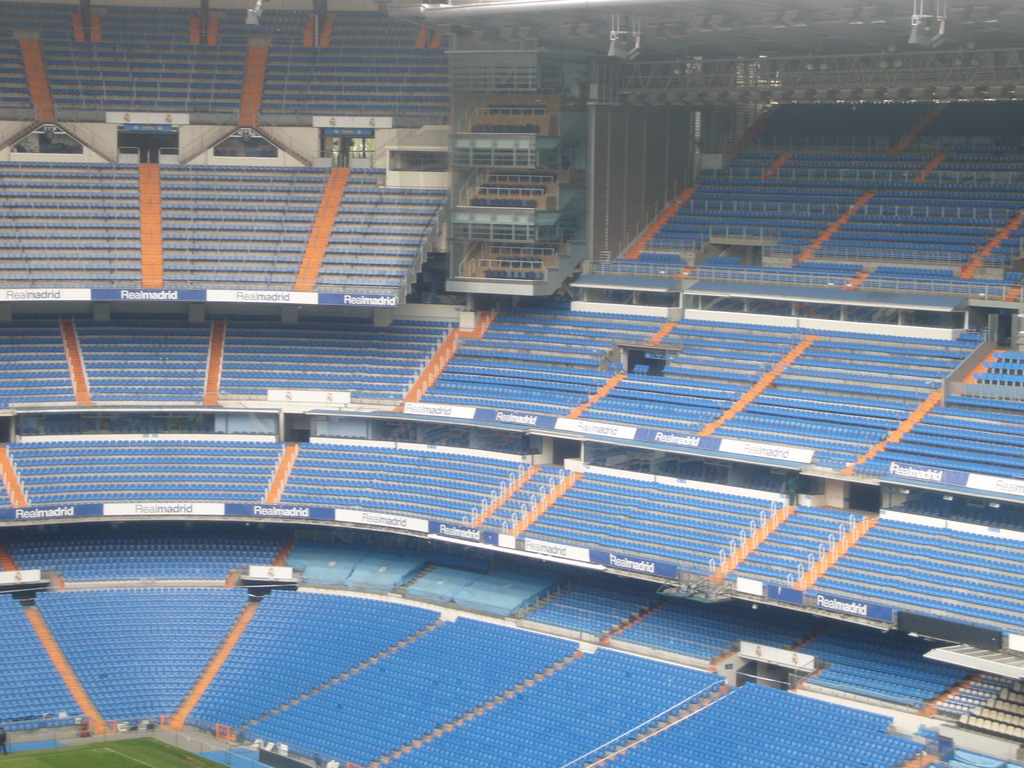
(148, 118)
(555, 550)
(173, 508)
(750, 586)
(1006, 485)
(270, 572)
(20, 577)
(351, 121)
(319, 396)
(381, 520)
(46, 294)
(596, 428)
(767, 450)
(263, 297)
(440, 409)
(779, 656)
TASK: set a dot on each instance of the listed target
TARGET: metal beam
(914, 76)
(455, 13)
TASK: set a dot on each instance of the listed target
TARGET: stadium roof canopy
(732, 28)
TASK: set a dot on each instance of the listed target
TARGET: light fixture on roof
(624, 38)
(928, 22)
(252, 16)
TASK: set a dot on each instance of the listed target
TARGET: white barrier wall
(811, 324)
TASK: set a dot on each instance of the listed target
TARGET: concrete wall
(101, 138)
(302, 140)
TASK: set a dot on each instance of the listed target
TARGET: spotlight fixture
(928, 23)
(252, 16)
(624, 38)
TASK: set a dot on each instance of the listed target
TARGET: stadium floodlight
(624, 39)
(928, 23)
(252, 16)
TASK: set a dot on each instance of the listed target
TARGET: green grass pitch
(134, 753)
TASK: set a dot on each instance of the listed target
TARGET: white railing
(627, 267)
(909, 210)
(743, 232)
(1002, 391)
(870, 255)
(635, 730)
(891, 283)
(765, 206)
(865, 144)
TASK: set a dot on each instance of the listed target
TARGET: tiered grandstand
(437, 385)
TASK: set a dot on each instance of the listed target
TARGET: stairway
(922, 410)
(752, 130)
(930, 166)
(760, 385)
(151, 226)
(772, 169)
(471, 714)
(632, 621)
(661, 725)
(325, 32)
(214, 363)
(512, 489)
(840, 548)
(856, 281)
(252, 86)
(226, 646)
(433, 369)
(595, 398)
(7, 562)
(63, 667)
(656, 225)
(915, 131)
(978, 259)
(75, 364)
(662, 332)
(376, 658)
(542, 506)
(751, 543)
(281, 474)
(832, 228)
(37, 79)
(323, 225)
(286, 550)
(9, 474)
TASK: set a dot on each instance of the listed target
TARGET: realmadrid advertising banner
(382, 520)
(456, 532)
(280, 511)
(173, 508)
(855, 607)
(993, 484)
(927, 474)
(1005, 485)
(46, 294)
(181, 294)
(556, 551)
(440, 409)
(515, 418)
(113, 294)
(634, 563)
(39, 514)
